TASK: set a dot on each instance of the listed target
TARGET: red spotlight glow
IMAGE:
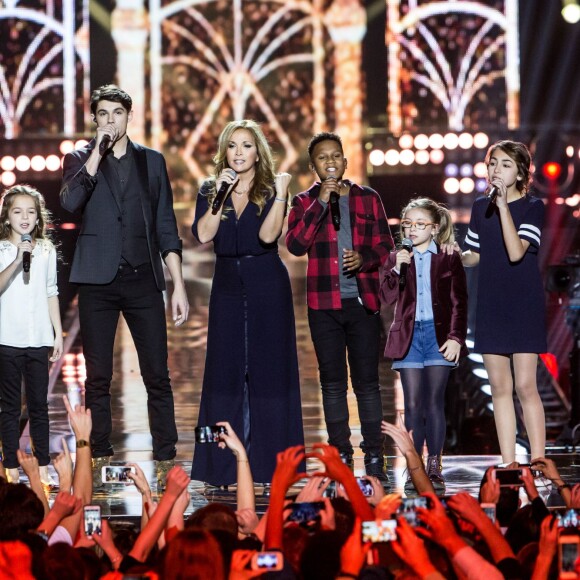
(552, 170)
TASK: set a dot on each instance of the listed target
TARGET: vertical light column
(129, 30)
(346, 23)
(512, 69)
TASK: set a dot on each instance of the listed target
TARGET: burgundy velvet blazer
(448, 295)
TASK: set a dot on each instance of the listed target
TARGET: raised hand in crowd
(550, 471)
(467, 507)
(284, 476)
(410, 548)
(29, 465)
(64, 467)
(106, 542)
(547, 548)
(313, 489)
(245, 496)
(142, 485)
(65, 504)
(177, 482)
(441, 530)
(240, 566)
(336, 469)
(388, 506)
(248, 521)
(353, 553)
(490, 490)
(404, 441)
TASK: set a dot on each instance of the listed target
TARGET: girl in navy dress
(428, 332)
(504, 239)
(251, 369)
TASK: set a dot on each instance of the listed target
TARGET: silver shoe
(162, 468)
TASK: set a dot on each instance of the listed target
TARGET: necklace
(243, 192)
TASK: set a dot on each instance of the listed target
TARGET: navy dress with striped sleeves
(510, 314)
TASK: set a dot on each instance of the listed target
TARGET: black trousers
(352, 331)
(32, 365)
(134, 293)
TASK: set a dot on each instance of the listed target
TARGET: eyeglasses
(407, 224)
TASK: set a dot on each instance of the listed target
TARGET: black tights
(424, 391)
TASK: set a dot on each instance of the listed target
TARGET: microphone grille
(407, 244)
(26, 238)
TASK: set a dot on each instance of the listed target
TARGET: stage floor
(131, 438)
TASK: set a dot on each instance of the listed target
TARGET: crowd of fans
(452, 537)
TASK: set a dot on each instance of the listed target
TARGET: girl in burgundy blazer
(428, 332)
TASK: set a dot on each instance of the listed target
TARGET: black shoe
(434, 472)
(375, 466)
(347, 459)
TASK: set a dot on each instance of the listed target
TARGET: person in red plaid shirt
(343, 228)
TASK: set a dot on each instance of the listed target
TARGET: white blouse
(24, 315)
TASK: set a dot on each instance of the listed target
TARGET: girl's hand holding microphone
(23, 247)
(403, 257)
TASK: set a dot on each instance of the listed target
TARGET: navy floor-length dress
(251, 369)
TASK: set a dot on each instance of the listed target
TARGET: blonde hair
(42, 214)
(262, 187)
(439, 215)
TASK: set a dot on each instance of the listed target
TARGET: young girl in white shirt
(30, 325)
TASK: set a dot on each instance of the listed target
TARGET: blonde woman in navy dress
(504, 239)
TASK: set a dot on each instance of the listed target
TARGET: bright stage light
(67, 146)
(436, 156)
(376, 157)
(422, 157)
(466, 141)
(407, 157)
(552, 170)
(571, 11)
(23, 163)
(81, 143)
(421, 141)
(466, 185)
(436, 141)
(450, 141)
(466, 170)
(406, 141)
(8, 179)
(480, 185)
(7, 163)
(480, 140)
(392, 157)
(38, 163)
(451, 185)
(451, 170)
(480, 169)
(53, 163)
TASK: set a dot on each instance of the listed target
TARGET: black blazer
(98, 250)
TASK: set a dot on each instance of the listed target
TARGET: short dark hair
(21, 511)
(323, 136)
(111, 93)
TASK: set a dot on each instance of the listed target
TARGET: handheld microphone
(406, 244)
(26, 255)
(105, 142)
(221, 195)
(491, 193)
(334, 210)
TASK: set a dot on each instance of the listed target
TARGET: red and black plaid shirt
(310, 230)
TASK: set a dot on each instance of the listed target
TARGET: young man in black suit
(128, 227)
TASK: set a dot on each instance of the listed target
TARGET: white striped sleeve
(531, 233)
(472, 239)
